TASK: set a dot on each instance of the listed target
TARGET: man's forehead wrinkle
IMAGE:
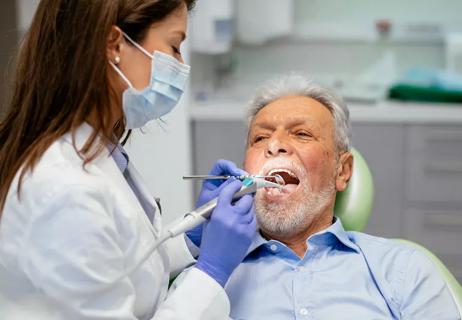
(290, 120)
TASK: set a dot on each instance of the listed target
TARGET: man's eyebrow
(262, 125)
(291, 123)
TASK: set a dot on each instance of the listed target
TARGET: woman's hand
(211, 189)
(228, 234)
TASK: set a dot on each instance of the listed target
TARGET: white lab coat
(75, 230)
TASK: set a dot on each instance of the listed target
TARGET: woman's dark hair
(62, 77)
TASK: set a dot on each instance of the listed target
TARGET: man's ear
(114, 44)
(344, 171)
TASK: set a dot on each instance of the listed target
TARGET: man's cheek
(314, 161)
(252, 164)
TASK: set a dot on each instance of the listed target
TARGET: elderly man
(303, 264)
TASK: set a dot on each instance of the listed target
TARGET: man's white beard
(291, 217)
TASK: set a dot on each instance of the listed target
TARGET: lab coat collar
(80, 136)
(103, 161)
(106, 164)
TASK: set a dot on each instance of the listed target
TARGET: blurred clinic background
(398, 64)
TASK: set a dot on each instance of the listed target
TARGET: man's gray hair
(298, 85)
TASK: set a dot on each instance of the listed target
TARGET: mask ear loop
(116, 69)
(138, 46)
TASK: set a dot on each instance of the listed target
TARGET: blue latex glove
(227, 235)
(211, 189)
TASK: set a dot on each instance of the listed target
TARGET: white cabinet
(434, 163)
(417, 172)
(433, 191)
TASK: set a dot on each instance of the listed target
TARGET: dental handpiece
(199, 215)
(193, 219)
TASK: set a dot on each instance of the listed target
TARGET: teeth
(282, 170)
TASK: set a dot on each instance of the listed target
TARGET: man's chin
(288, 212)
(278, 206)
(280, 219)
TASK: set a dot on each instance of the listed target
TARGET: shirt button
(274, 247)
(303, 312)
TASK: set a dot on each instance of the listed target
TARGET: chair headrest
(354, 205)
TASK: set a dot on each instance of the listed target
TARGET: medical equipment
(198, 216)
(275, 178)
(212, 29)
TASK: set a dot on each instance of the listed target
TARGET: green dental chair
(354, 205)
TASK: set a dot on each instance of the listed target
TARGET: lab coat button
(303, 312)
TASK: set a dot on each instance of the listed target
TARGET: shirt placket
(302, 278)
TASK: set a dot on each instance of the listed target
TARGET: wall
(8, 40)
(25, 12)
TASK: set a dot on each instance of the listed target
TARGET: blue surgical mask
(168, 82)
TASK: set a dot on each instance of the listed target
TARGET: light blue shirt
(343, 275)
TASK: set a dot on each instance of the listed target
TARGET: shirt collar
(120, 156)
(257, 241)
(330, 236)
(335, 233)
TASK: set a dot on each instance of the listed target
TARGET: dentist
(74, 214)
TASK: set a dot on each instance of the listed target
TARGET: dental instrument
(277, 178)
(198, 216)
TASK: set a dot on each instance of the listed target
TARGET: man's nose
(277, 146)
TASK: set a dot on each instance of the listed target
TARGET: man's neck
(297, 242)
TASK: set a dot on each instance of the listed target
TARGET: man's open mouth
(288, 176)
(290, 179)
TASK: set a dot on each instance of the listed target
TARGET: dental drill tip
(263, 183)
(275, 178)
(279, 180)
